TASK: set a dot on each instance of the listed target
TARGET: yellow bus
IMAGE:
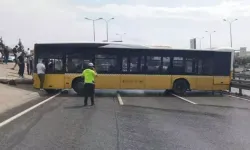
(124, 66)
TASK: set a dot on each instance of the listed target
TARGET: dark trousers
(89, 91)
(28, 68)
(6, 59)
(31, 67)
(21, 69)
(41, 78)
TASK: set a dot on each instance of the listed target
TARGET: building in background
(193, 43)
(243, 52)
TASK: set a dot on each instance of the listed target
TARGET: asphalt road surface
(144, 122)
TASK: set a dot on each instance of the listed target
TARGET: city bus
(126, 66)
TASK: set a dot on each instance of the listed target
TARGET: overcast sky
(150, 22)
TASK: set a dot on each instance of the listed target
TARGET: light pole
(107, 26)
(230, 28)
(93, 20)
(120, 35)
(200, 40)
(231, 41)
(210, 34)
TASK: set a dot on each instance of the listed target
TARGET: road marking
(26, 111)
(182, 98)
(120, 99)
(239, 98)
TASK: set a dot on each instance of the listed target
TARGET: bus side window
(134, 61)
(154, 64)
(178, 65)
(143, 67)
(106, 63)
(124, 64)
(200, 67)
(190, 66)
(166, 64)
(207, 67)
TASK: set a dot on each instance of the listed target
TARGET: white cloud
(222, 10)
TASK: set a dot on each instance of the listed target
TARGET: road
(144, 122)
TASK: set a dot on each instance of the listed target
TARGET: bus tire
(78, 85)
(180, 86)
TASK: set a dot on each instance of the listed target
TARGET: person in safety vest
(89, 75)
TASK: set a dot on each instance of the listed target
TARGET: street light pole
(120, 35)
(107, 26)
(210, 36)
(200, 40)
(93, 20)
(231, 41)
(230, 28)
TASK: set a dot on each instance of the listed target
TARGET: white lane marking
(120, 99)
(26, 111)
(239, 98)
(182, 98)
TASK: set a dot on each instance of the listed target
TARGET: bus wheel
(78, 86)
(180, 86)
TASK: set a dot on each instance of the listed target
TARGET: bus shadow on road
(142, 93)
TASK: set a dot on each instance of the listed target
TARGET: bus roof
(127, 46)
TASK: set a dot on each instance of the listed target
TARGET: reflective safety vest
(89, 76)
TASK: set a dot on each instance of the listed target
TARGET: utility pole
(231, 41)
(93, 20)
(210, 37)
(230, 29)
(120, 35)
(200, 39)
(107, 27)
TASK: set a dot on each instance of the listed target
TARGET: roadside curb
(15, 81)
(33, 98)
(28, 98)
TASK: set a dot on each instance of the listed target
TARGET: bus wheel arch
(181, 86)
(78, 85)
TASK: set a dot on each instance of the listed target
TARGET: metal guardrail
(242, 76)
(241, 81)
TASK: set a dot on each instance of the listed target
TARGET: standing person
(1, 57)
(15, 55)
(21, 64)
(27, 53)
(89, 75)
(41, 72)
(6, 54)
(31, 64)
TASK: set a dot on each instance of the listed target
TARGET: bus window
(74, 65)
(134, 61)
(207, 66)
(178, 65)
(106, 63)
(165, 64)
(154, 64)
(143, 66)
(190, 66)
(76, 62)
(200, 67)
(53, 63)
(124, 64)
